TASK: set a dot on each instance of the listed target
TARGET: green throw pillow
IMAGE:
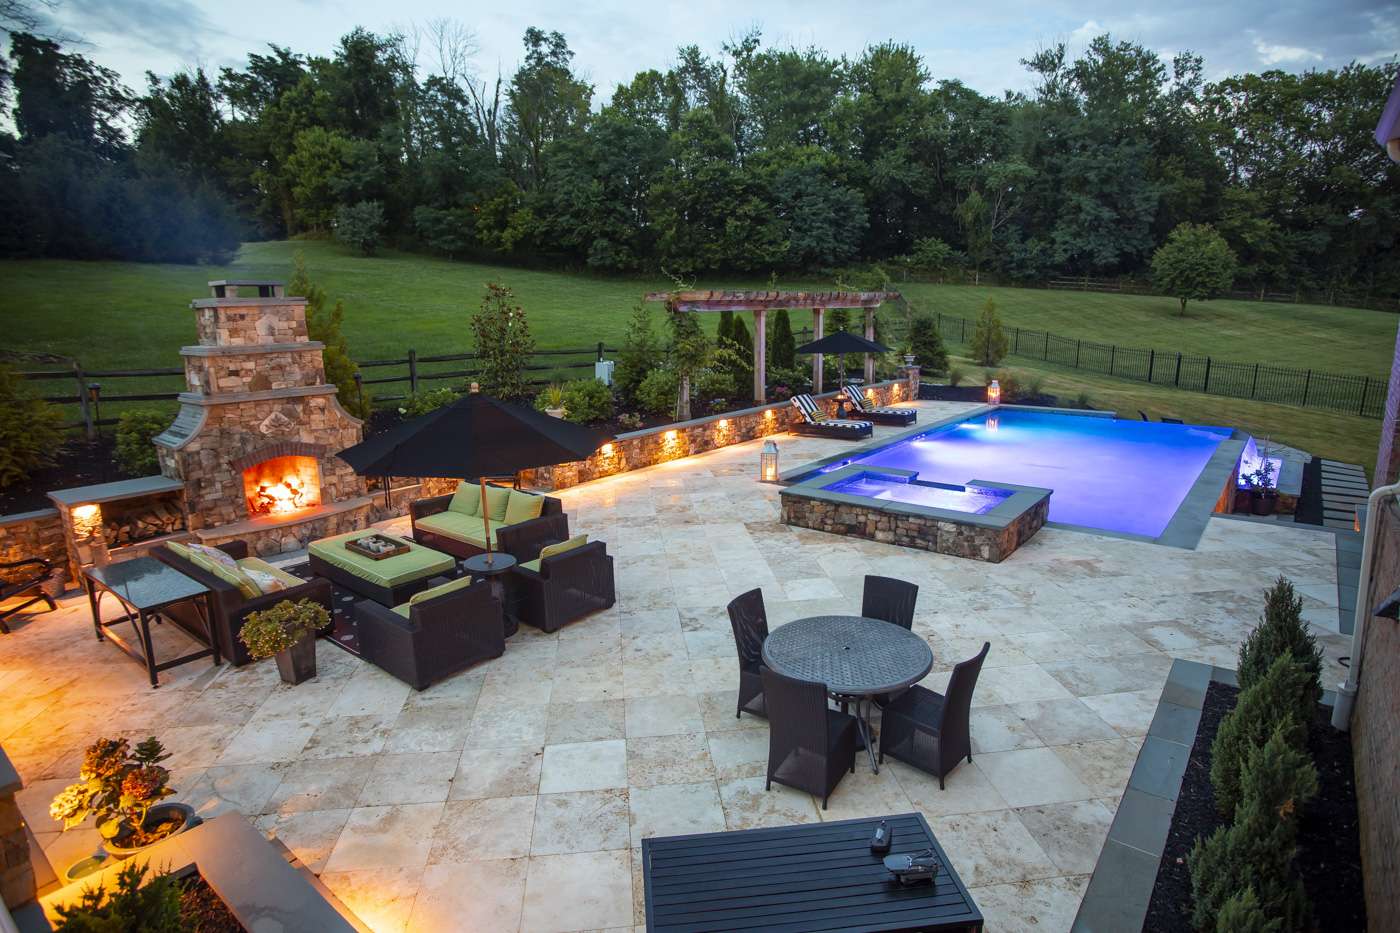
(178, 549)
(434, 592)
(497, 498)
(466, 500)
(549, 550)
(522, 507)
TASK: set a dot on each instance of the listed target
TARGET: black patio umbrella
(474, 437)
(841, 342)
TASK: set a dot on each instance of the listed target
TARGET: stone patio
(515, 796)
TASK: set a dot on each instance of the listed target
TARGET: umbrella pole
(485, 520)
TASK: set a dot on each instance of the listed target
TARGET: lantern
(768, 463)
(994, 393)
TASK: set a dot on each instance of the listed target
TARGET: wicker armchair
(889, 600)
(423, 642)
(24, 580)
(810, 746)
(749, 620)
(230, 607)
(521, 540)
(564, 587)
(928, 730)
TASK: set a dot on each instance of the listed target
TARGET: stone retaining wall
(639, 449)
(36, 534)
(956, 539)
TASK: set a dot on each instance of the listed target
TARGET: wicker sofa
(231, 607)
(566, 582)
(437, 633)
(521, 522)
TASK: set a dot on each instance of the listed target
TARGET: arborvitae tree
(1280, 702)
(1281, 630)
(989, 344)
(726, 326)
(1243, 914)
(926, 343)
(1257, 849)
(739, 336)
(781, 345)
(641, 352)
(324, 325)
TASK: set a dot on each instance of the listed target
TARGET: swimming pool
(1116, 475)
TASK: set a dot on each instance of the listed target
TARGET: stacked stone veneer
(945, 536)
(639, 449)
(17, 876)
(256, 390)
(35, 534)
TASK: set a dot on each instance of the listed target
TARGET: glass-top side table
(144, 586)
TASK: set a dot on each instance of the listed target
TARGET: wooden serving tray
(398, 547)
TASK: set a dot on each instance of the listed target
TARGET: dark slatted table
(812, 877)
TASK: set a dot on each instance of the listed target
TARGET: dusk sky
(979, 43)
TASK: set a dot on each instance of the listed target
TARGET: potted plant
(122, 790)
(551, 400)
(287, 632)
(1263, 494)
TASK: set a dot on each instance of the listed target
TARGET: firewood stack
(159, 517)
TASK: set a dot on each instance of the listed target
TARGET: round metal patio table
(854, 656)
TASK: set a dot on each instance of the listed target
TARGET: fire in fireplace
(282, 485)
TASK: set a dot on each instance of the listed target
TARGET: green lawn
(112, 315)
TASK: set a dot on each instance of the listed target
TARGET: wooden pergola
(760, 303)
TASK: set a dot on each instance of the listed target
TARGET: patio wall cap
(19, 518)
(121, 489)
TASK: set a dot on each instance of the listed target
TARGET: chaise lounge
(815, 423)
(521, 522)
(437, 633)
(862, 406)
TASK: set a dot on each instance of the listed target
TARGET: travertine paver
(509, 796)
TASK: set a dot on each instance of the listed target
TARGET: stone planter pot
(908, 359)
(555, 412)
(298, 663)
(159, 813)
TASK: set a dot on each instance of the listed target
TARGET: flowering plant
(117, 787)
(276, 629)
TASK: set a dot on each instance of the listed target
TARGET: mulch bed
(1329, 850)
(203, 911)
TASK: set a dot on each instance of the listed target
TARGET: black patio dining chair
(24, 580)
(930, 730)
(889, 600)
(750, 623)
(810, 745)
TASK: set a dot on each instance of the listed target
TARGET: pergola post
(869, 335)
(760, 355)
(817, 315)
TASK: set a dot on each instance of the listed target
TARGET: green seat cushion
(459, 527)
(523, 506)
(257, 563)
(178, 549)
(442, 589)
(466, 500)
(403, 609)
(549, 550)
(418, 563)
(531, 565)
(497, 498)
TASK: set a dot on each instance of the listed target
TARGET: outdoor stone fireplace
(255, 440)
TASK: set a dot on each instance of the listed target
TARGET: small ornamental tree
(781, 345)
(1195, 264)
(725, 330)
(1281, 630)
(1280, 703)
(989, 344)
(360, 225)
(503, 343)
(641, 352)
(1243, 914)
(324, 325)
(690, 352)
(31, 429)
(926, 343)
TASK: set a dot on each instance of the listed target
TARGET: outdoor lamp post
(94, 390)
(768, 463)
(994, 392)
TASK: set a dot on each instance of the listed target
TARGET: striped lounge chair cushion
(813, 415)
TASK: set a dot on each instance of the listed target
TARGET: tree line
(754, 159)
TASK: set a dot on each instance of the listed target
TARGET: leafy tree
(587, 401)
(444, 230)
(926, 343)
(781, 345)
(546, 103)
(932, 256)
(1194, 264)
(989, 344)
(31, 430)
(360, 225)
(324, 324)
(503, 343)
(317, 169)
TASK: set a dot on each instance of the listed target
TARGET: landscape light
(994, 393)
(768, 463)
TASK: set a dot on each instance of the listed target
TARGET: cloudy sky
(979, 42)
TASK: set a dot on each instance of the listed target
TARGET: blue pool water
(970, 499)
(1126, 476)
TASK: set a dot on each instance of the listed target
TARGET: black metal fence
(1305, 388)
(91, 394)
